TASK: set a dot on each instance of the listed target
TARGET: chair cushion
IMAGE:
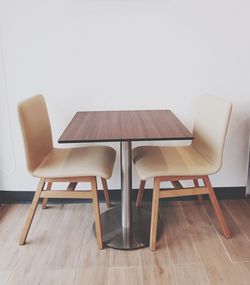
(152, 161)
(77, 162)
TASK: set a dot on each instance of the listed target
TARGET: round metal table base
(121, 238)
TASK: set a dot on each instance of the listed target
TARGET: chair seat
(152, 161)
(77, 162)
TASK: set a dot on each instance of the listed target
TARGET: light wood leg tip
(21, 242)
(228, 235)
(44, 204)
(152, 247)
(100, 247)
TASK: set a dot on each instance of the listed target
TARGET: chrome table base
(116, 236)
(126, 227)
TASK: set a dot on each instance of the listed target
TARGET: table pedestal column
(126, 227)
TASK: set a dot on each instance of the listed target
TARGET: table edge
(121, 140)
(187, 138)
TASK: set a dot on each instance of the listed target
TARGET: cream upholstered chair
(73, 165)
(196, 161)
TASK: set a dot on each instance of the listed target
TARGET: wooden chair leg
(45, 200)
(96, 211)
(217, 209)
(199, 197)
(140, 193)
(31, 212)
(154, 214)
(106, 192)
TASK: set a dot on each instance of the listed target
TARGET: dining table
(125, 226)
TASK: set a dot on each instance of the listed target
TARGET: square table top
(105, 126)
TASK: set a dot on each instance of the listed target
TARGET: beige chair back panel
(36, 130)
(210, 128)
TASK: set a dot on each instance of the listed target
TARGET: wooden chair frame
(47, 193)
(179, 191)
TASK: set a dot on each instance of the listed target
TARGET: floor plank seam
(110, 252)
(123, 267)
(187, 264)
(242, 262)
(195, 246)
(140, 268)
(219, 236)
(139, 275)
(40, 282)
(7, 281)
(36, 225)
(169, 254)
(236, 222)
(80, 250)
(14, 265)
(245, 202)
(45, 267)
(51, 243)
(14, 270)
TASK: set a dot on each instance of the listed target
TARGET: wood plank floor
(61, 248)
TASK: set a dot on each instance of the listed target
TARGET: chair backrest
(34, 120)
(210, 128)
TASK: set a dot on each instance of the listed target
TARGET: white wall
(123, 54)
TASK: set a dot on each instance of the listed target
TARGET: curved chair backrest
(210, 128)
(36, 130)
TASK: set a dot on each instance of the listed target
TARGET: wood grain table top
(105, 126)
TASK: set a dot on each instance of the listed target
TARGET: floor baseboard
(22, 197)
